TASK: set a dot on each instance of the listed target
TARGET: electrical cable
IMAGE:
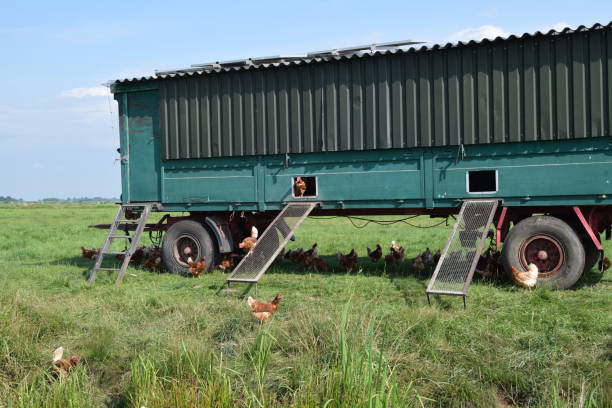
(383, 222)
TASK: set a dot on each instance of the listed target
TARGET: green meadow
(362, 339)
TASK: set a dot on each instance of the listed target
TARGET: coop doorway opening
(303, 186)
(481, 182)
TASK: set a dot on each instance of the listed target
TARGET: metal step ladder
(252, 267)
(455, 269)
(144, 210)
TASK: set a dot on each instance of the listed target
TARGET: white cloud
(557, 27)
(83, 92)
(477, 34)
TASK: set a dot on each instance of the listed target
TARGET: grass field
(366, 339)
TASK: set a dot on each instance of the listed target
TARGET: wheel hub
(543, 251)
(185, 247)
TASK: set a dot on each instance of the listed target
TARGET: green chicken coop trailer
(522, 122)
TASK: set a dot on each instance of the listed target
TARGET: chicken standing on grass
(488, 265)
(295, 255)
(318, 263)
(375, 254)
(526, 279)
(63, 366)
(307, 257)
(152, 257)
(396, 256)
(196, 268)
(436, 257)
(348, 261)
(227, 262)
(427, 257)
(262, 310)
(418, 266)
(249, 242)
(89, 253)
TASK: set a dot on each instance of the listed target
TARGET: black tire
(187, 234)
(565, 264)
(591, 253)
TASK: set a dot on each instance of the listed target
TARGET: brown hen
(196, 268)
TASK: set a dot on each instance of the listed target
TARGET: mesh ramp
(271, 242)
(454, 271)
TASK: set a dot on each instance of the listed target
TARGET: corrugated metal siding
(526, 89)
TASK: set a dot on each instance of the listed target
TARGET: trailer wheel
(549, 243)
(183, 240)
(591, 253)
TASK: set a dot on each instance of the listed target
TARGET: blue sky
(58, 127)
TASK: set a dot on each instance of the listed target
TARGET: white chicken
(526, 279)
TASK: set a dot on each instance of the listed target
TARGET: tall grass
(358, 375)
(43, 389)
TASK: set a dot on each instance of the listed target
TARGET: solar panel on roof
(290, 57)
(364, 48)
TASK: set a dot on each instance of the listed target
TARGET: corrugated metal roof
(552, 87)
(191, 72)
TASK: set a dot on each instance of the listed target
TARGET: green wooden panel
(534, 175)
(122, 102)
(388, 177)
(549, 173)
(142, 146)
(213, 183)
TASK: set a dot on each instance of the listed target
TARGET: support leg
(428, 301)
(464, 303)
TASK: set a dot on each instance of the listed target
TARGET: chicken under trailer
(562, 241)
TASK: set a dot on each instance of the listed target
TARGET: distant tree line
(9, 199)
(79, 200)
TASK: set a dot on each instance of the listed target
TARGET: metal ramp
(271, 242)
(142, 211)
(455, 269)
